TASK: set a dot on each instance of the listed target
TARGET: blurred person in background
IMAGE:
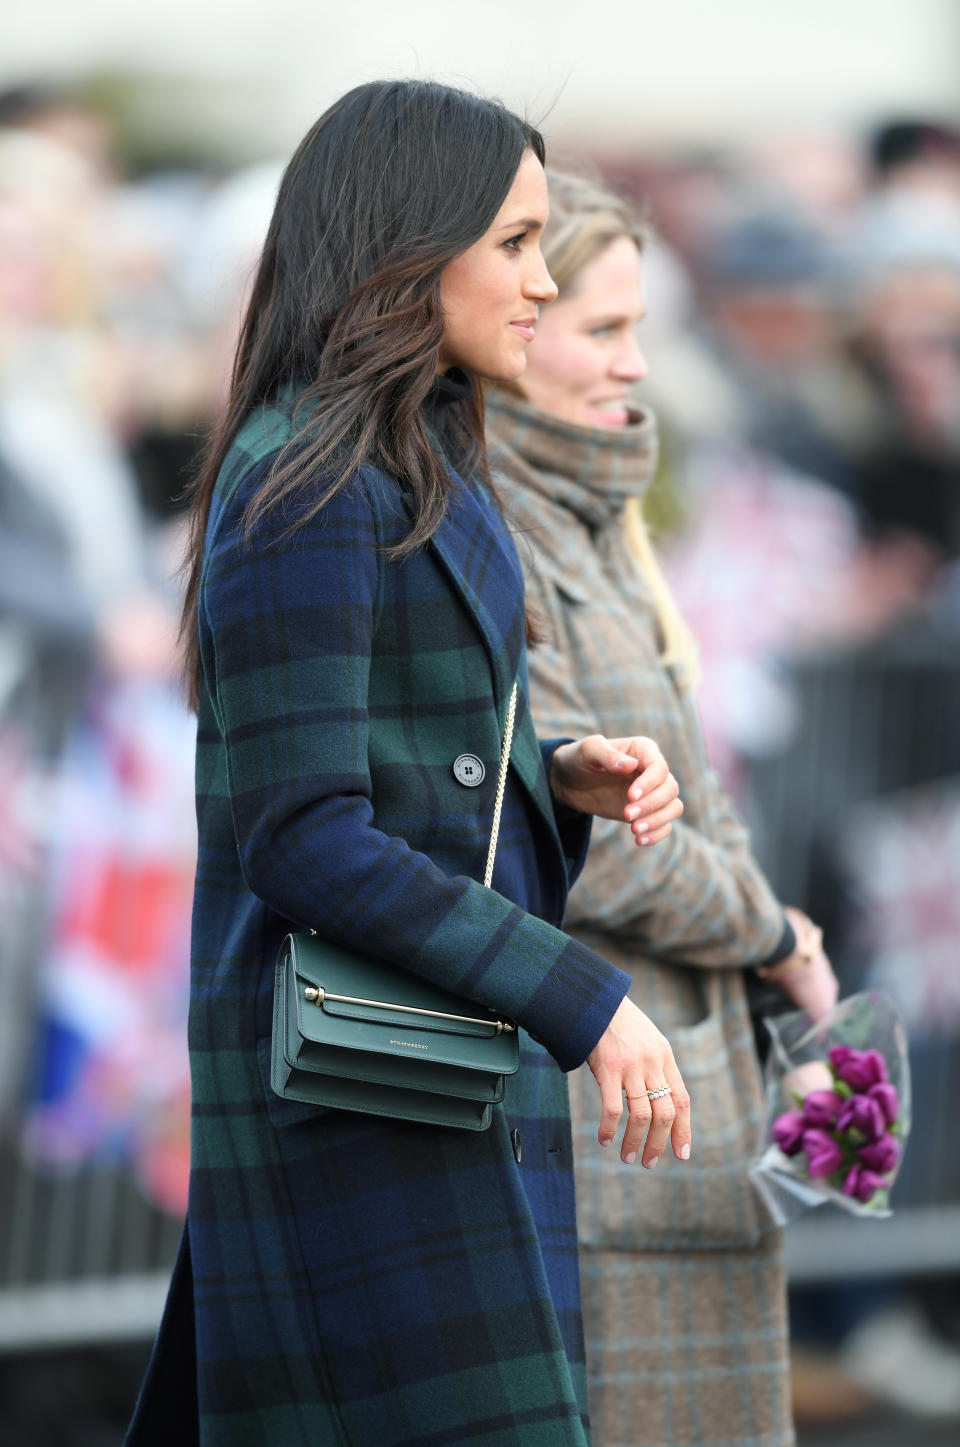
(809, 428)
(219, 263)
(340, 667)
(115, 834)
(915, 156)
(905, 341)
(827, 614)
(678, 1274)
(68, 118)
(773, 324)
(45, 650)
(58, 392)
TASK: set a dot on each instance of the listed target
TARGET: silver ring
(660, 1092)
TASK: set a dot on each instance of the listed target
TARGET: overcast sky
(616, 70)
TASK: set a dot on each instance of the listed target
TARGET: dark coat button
(515, 1142)
(469, 770)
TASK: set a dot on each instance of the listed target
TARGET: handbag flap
(364, 1021)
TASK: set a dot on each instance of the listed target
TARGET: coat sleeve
(287, 631)
(693, 899)
(573, 827)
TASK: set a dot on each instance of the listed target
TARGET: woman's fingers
(653, 774)
(680, 1135)
(660, 1126)
(652, 800)
(660, 821)
(630, 1054)
(650, 819)
(611, 1101)
(639, 1116)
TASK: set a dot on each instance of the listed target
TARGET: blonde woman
(683, 1282)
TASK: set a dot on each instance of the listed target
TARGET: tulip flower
(840, 1054)
(880, 1155)
(822, 1107)
(888, 1100)
(788, 1131)
(862, 1183)
(863, 1068)
(861, 1113)
(824, 1155)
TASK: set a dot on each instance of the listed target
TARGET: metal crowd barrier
(86, 1258)
(874, 724)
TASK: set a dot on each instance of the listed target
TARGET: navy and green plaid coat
(344, 1279)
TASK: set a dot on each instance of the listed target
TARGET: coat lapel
(478, 554)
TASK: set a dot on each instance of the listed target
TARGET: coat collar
(591, 471)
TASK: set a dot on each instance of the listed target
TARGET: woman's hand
(632, 1057)
(806, 977)
(813, 987)
(618, 779)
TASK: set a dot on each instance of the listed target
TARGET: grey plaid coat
(683, 1286)
(347, 1280)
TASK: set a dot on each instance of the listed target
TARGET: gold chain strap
(501, 785)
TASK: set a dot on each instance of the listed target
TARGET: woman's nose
(630, 363)
(540, 285)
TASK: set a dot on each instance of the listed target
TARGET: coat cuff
(570, 1035)
(785, 946)
(573, 826)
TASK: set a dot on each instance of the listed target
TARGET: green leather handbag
(355, 1033)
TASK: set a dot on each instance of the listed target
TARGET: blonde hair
(584, 219)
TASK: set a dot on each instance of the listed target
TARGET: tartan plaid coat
(683, 1285)
(344, 1279)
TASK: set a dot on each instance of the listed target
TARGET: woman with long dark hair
(354, 627)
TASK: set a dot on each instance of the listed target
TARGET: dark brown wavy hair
(391, 183)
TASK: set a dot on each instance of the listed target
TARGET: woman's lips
(525, 328)
(612, 413)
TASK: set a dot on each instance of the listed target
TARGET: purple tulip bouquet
(838, 1109)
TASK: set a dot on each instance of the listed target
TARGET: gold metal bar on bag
(317, 996)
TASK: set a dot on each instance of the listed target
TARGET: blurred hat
(770, 247)
(908, 139)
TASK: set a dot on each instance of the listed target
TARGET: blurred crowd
(804, 349)
(119, 302)
(803, 337)
(804, 341)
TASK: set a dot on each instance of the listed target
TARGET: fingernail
(685, 1153)
(633, 812)
(607, 1141)
(651, 1164)
(631, 1157)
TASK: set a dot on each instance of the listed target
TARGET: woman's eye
(514, 242)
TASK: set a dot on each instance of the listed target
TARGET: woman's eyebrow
(528, 223)
(612, 319)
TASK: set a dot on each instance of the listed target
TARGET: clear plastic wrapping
(837, 1111)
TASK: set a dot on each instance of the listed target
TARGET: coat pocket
(706, 1203)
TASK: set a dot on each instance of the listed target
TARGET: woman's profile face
(493, 291)
(586, 356)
